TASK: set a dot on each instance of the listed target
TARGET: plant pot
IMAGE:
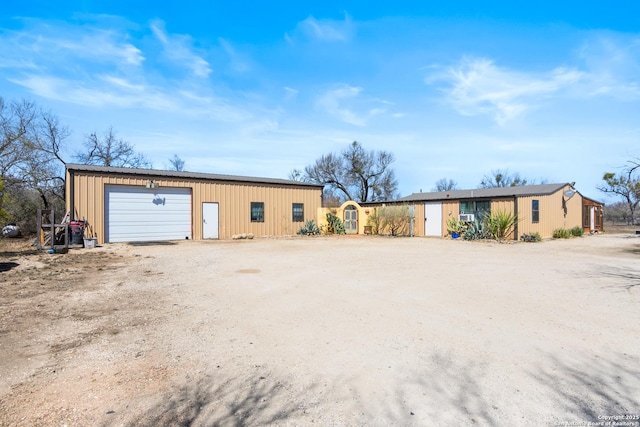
(455, 235)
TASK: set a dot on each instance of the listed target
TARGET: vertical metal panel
(233, 198)
(551, 213)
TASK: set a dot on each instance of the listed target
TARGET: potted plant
(455, 227)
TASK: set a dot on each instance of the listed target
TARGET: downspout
(72, 190)
(515, 226)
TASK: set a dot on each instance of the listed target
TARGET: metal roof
(187, 175)
(479, 193)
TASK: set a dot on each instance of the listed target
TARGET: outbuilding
(126, 204)
(540, 208)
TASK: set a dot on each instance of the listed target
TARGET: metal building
(125, 204)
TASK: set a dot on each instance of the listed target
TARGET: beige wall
(234, 201)
(552, 215)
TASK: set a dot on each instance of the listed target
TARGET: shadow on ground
(591, 386)
(254, 401)
(6, 266)
(156, 243)
(443, 392)
(627, 278)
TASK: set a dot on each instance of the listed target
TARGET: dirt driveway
(323, 331)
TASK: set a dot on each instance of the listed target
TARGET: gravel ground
(326, 331)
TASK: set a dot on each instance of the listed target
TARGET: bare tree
(31, 161)
(625, 185)
(445, 184)
(356, 174)
(176, 163)
(502, 178)
(109, 150)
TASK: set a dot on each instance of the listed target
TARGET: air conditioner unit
(466, 217)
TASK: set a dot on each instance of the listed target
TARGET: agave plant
(478, 230)
(501, 224)
(309, 229)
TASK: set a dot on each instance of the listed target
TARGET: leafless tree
(502, 178)
(356, 174)
(445, 184)
(176, 163)
(626, 185)
(109, 150)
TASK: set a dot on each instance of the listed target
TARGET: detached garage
(133, 213)
(128, 205)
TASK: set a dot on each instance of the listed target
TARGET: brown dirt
(326, 331)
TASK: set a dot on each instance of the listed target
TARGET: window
(586, 216)
(466, 207)
(535, 211)
(478, 208)
(257, 211)
(483, 207)
(298, 212)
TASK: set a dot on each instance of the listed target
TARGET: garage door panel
(141, 214)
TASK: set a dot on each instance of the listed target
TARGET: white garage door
(135, 214)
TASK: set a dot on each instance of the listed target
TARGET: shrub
(455, 226)
(334, 225)
(577, 231)
(531, 237)
(309, 229)
(561, 233)
(501, 224)
(395, 220)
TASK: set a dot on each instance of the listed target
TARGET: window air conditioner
(466, 217)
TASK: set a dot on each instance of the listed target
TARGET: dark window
(298, 212)
(257, 211)
(478, 208)
(483, 207)
(535, 211)
(586, 216)
(466, 207)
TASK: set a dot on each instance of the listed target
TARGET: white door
(135, 214)
(593, 218)
(433, 219)
(209, 220)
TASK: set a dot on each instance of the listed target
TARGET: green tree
(355, 174)
(626, 185)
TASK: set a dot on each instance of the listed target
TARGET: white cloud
(290, 93)
(325, 29)
(332, 102)
(46, 44)
(346, 103)
(613, 64)
(178, 49)
(238, 62)
(478, 86)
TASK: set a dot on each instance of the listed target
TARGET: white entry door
(433, 219)
(209, 220)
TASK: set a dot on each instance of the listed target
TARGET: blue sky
(454, 90)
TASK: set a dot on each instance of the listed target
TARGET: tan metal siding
(234, 201)
(450, 208)
(551, 213)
